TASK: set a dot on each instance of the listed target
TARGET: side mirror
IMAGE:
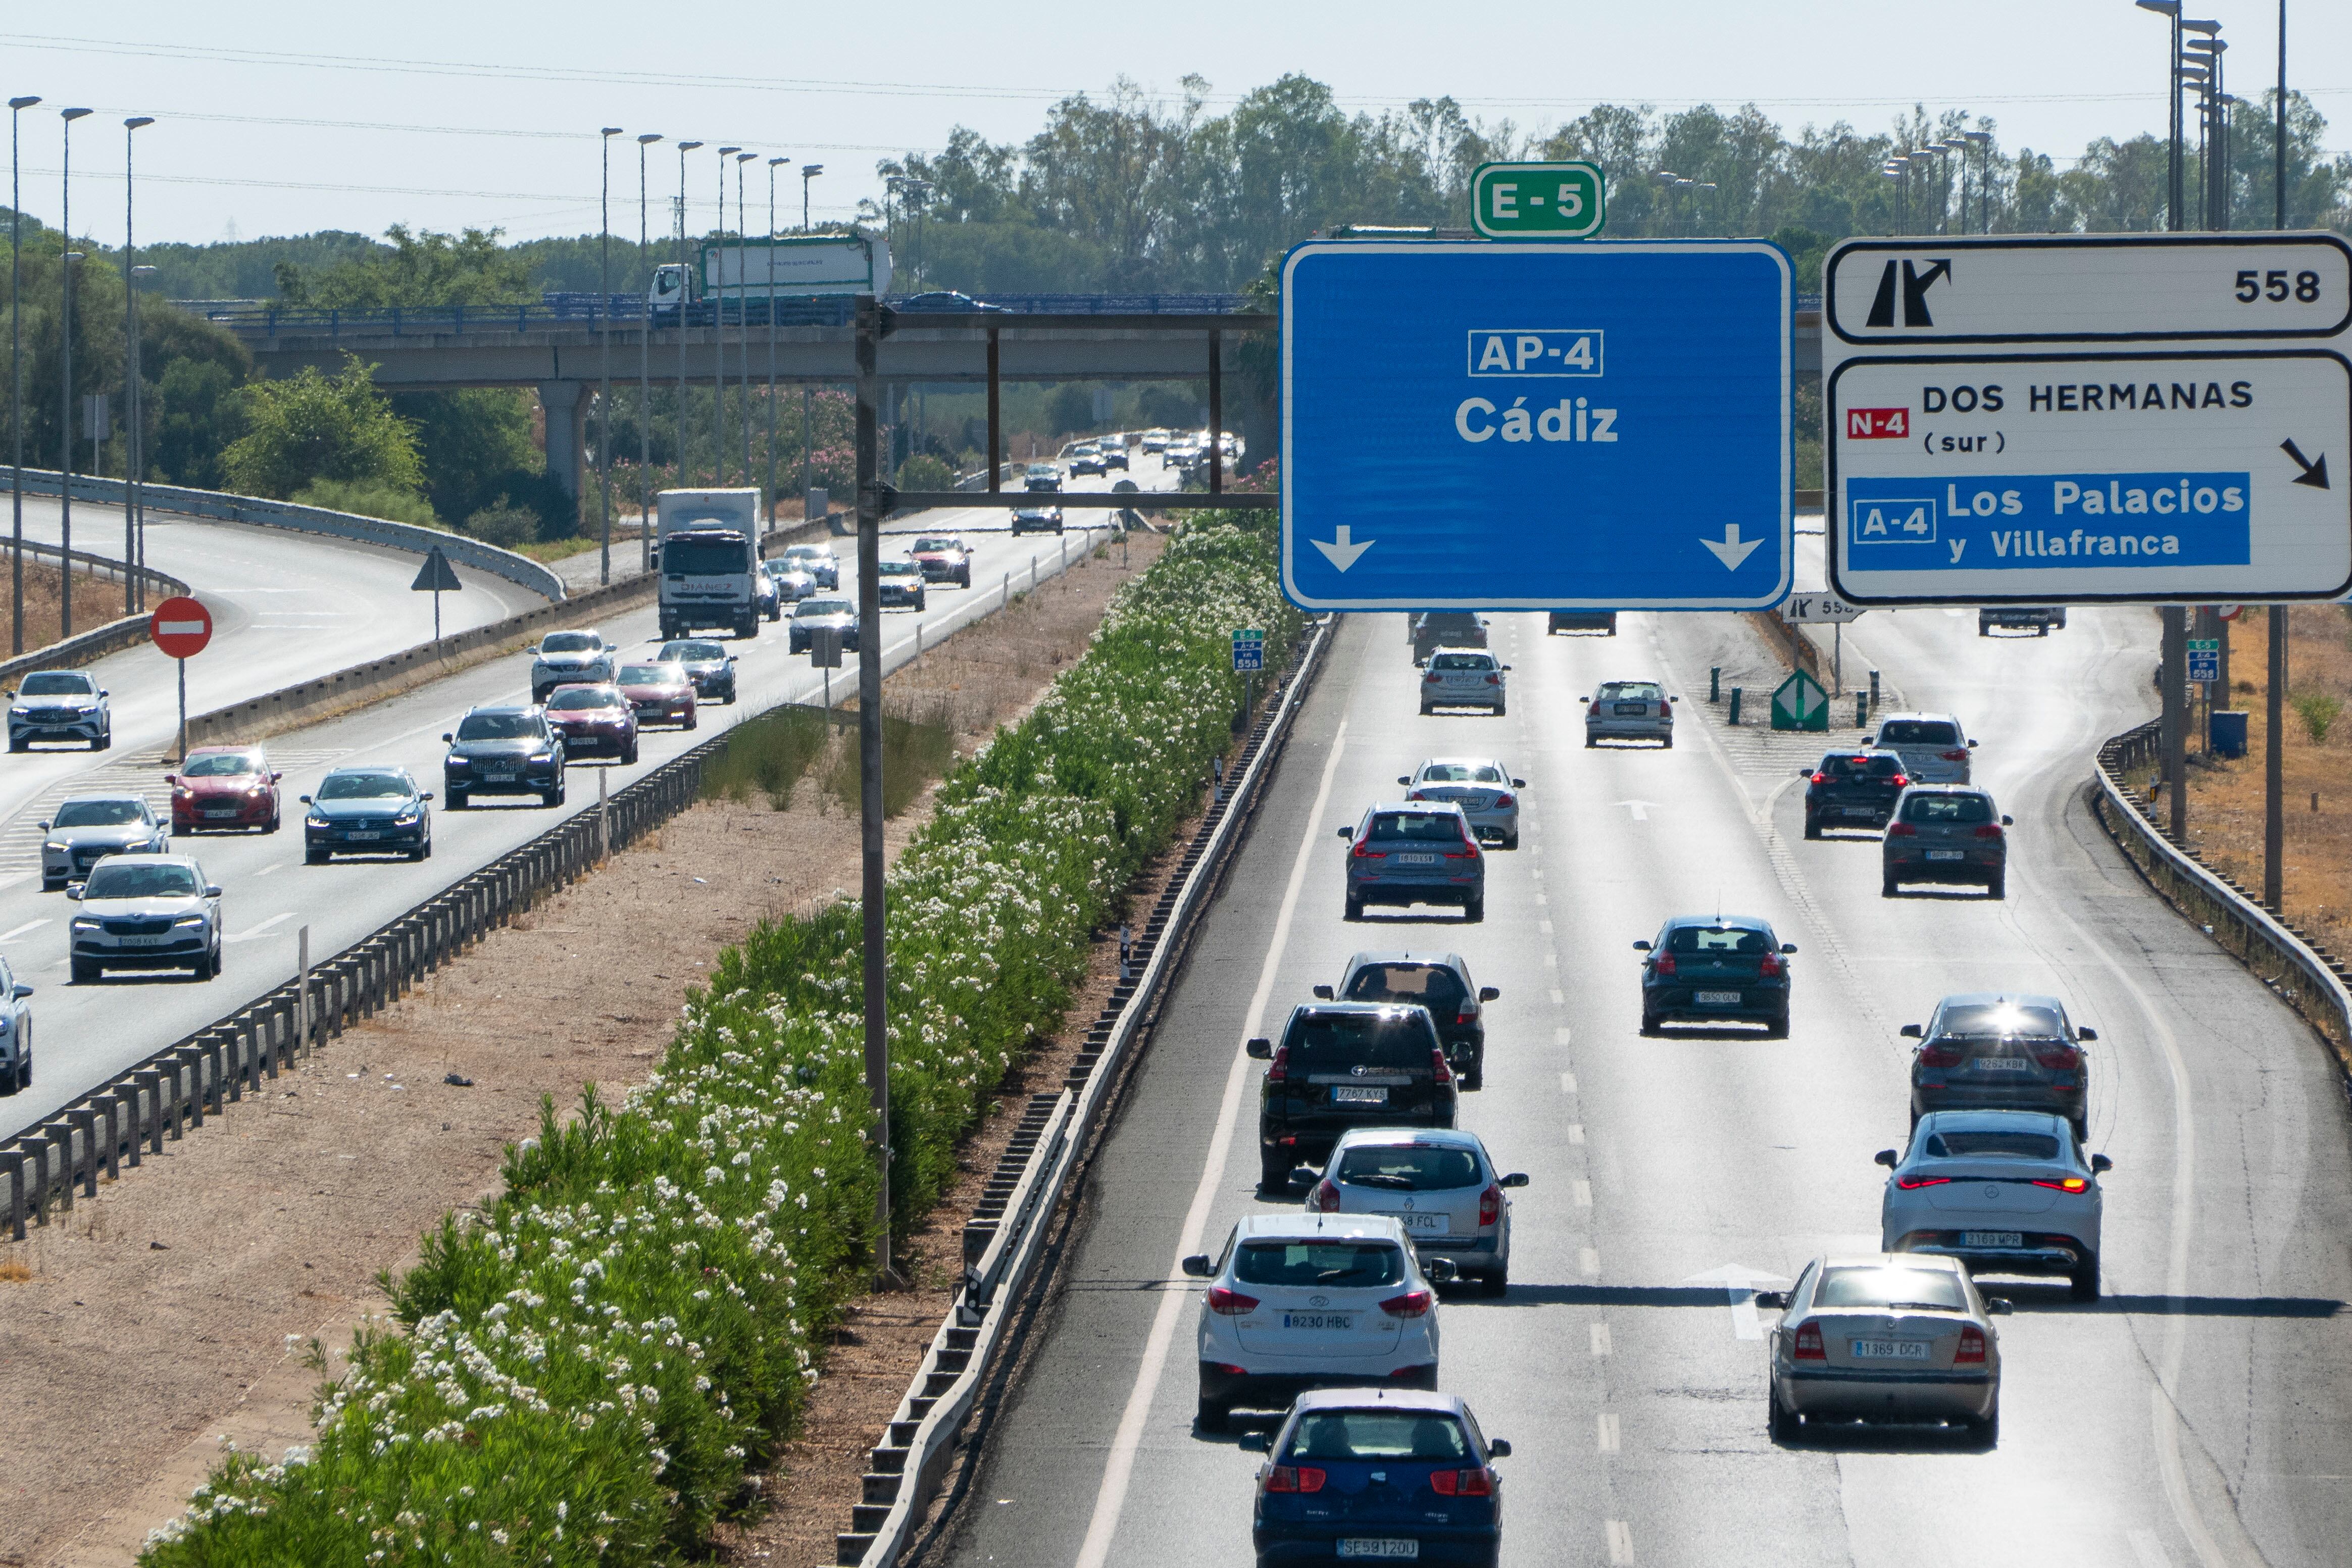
(1322, 993)
(532, 650)
(44, 826)
(1884, 1157)
(73, 891)
(2086, 1032)
(730, 658)
(171, 779)
(1788, 946)
(103, 692)
(304, 799)
(1972, 746)
(2100, 1163)
(1406, 778)
(1490, 994)
(1805, 773)
(1911, 1031)
(1200, 1266)
(1998, 1306)
(21, 992)
(1518, 783)
(1259, 1050)
(448, 739)
(1346, 832)
(1517, 1178)
(1254, 1442)
(2009, 821)
(1641, 946)
(1441, 1271)
(1672, 699)
(212, 890)
(1498, 1447)
(1773, 1299)
(426, 796)
(276, 778)
(1584, 699)
(1506, 666)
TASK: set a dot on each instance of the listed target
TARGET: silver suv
(147, 912)
(1629, 710)
(89, 827)
(59, 705)
(567, 658)
(1481, 786)
(1463, 678)
(1933, 747)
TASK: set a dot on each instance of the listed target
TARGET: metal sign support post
(183, 708)
(2274, 761)
(2175, 721)
(995, 419)
(302, 989)
(869, 761)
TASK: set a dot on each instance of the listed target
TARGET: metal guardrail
(219, 506)
(1004, 1236)
(630, 311)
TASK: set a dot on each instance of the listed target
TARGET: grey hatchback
(2008, 1052)
(1416, 851)
(1944, 832)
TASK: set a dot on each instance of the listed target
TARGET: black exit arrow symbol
(2314, 474)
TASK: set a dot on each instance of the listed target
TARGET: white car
(1629, 710)
(1462, 677)
(1155, 441)
(1885, 1337)
(818, 561)
(1933, 747)
(146, 911)
(1438, 1182)
(569, 658)
(2005, 1192)
(1482, 786)
(1309, 1300)
(16, 1032)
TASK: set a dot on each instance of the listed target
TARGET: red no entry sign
(180, 627)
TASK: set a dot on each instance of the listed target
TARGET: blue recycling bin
(2225, 732)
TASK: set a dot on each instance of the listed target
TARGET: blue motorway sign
(1596, 425)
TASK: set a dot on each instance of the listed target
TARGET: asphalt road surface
(2198, 1416)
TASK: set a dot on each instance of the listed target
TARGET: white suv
(566, 658)
(1438, 1182)
(1298, 1302)
(1933, 747)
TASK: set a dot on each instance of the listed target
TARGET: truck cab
(708, 554)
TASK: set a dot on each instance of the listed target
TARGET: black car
(1602, 620)
(836, 614)
(1708, 967)
(2038, 619)
(503, 751)
(1434, 629)
(708, 664)
(1342, 1065)
(899, 584)
(1037, 520)
(1087, 460)
(1985, 1050)
(1438, 981)
(367, 811)
(1114, 453)
(1851, 790)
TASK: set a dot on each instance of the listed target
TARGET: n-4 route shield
(1589, 425)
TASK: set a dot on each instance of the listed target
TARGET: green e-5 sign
(1537, 201)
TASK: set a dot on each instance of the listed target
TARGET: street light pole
(2174, 670)
(808, 171)
(742, 315)
(17, 107)
(604, 314)
(131, 469)
(811, 171)
(1982, 142)
(644, 372)
(718, 341)
(65, 339)
(2275, 699)
(684, 277)
(770, 501)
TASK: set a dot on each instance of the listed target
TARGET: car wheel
(1887, 888)
(629, 754)
(1669, 744)
(105, 741)
(1474, 911)
(1648, 1023)
(1986, 1432)
(1510, 841)
(1499, 710)
(1496, 1282)
(1999, 886)
(689, 723)
(963, 577)
(1777, 1029)
(208, 965)
(1273, 1173)
(1355, 908)
(551, 797)
(1424, 710)
(1591, 742)
(274, 823)
(18, 743)
(50, 884)
(84, 974)
(1780, 1425)
(1812, 826)
(2085, 1280)
(314, 857)
(457, 800)
(1211, 1415)
(24, 1071)
(2044, 631)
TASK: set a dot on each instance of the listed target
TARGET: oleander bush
(589, 1370)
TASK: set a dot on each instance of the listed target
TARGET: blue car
(1381, 1474)
(367, 811)
(1703, 968)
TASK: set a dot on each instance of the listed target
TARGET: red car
(594, 719)
(224, 787)
(659, 693)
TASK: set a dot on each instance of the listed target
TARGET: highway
(2194, 1418)
(85, 1034)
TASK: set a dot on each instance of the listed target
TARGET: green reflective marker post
(1537, 201)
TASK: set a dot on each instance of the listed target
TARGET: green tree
(313, 426)
(427, 268)
(198, 413)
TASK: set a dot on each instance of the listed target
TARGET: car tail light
(1364, 850)
(1469, 1013)
(1665, 965)
(1821, 778)
(1324, 1199)
(1902, 780)
(1989, 831)
(1971, 1352)
(1942, 1053)
(1469, 850)
(1808, 1343)
(2065, 1183)
(1955, 755)
(1229, 1303)
(1462, 1483)
(1505, 799)
(1490, 1205)
(1417, 795)
(1494, 680)
(1901, 831)
(1769, 967)
(1411, 1304)
(1439, 1070)
(2057, 1054)
(1279, 1069)
(1433, 677)
(1592, 712)
(1289, 1478)
(1914, 1183)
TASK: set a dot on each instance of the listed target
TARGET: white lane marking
(1575, 1129)
(1557, 999)
(1583, 1192)
(1740, 1285)
(1119, 1469)
(1544, 926)
(1641, 809)
(1609, 1437)
(2149, 1550)
(252, 932)
(1551, 960)
(1621, 1544)
(1588, 1260)
(28, 926)
(1567, 1083)
(273, 865)
(1601, 1339)
(1541, 899)
(1559, 1035)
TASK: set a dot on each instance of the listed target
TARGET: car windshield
(98, 813)
(897, 568)
(497, 727)
(809, 553)
(812, 608)
(580, 698)
(684, 556)
(1331, 1265)
(2001, 1020)
(570, 642)
(1462, 662)
(699, 652)
(1719, 939)
(56, 686)
(1933, 1290)
(1415, 828)
(1328, 1042)
(1408, 1167)
(652, 675)
(1861, 766)
(1947, 808)
(1982, 1143)
(1041, 470)
(223, 765)
(1919, 732)
(138, 879)
(1434, 986)
(1425, 1435)
(925, 546)
(1462, 773)
(363, 787)
(1631, 691)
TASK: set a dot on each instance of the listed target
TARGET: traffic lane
(85, 1035)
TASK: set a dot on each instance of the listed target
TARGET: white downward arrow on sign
(1641, 809)
(1740, 1284)
(1730, 550)
(1342, 553)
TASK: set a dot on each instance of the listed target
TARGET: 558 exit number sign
(1537, 201)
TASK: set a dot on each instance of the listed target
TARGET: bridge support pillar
(566, 405)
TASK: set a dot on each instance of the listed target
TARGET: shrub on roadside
(504, 525)
(367, 498)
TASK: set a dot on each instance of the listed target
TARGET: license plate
(1632, 710)
(2003, 1063)
(1718, 999)
(1334, 1321)
(1417, 860)
(143, 941)
(216, 812)
(1350, 1094)
(1993, 1238)
(1889, 1349)
(1947, 854)
(498, 777)
(1357, 1546)
(1435, 1224)
(360, 835)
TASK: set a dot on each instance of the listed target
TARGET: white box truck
(707, 549)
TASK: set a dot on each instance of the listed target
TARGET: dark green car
(1704, 967)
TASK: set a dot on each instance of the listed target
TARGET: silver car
(59, 705)
(1889, 1336)
(793, 583)
(1933, 747)
(569, 658)
(1629, 710)
(818, 561)
(146, 911)
(16, 1032)
(88, 828)
(1463, 678)
(1439, 1183)
(1483, 788)
(1944, 832)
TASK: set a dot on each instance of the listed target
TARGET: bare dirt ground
(174, 1311)
(96, 601)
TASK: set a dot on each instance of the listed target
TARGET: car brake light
(1808, 1343)
(1469, 1013)
(1229, 1303)
(1956, 757)
(1902, 780)
(1279, 1069)
(1439, 1072)
(1989, 831)
(1821, 778)
(1901, 831)
(1770, 967)
(1592, 712)
(2066, 1184)
(1469, 850)
(1940, 1054)
(1971, 1352)
(1914, 1183)
(2057, 1054)
(1433, 677)
(1490, 1205)
(1411, 1304)
(1503, 801)
(1494, 680)
(1462, 1483)
(1665, 965)
(1364, 850)
(1324, 1199)
(1417, 795)
(1300, 1477)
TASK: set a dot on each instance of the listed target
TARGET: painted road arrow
(1641, 809)
(1341, 552)
(1740, 1284)
(2314, 473)
(1730, 550)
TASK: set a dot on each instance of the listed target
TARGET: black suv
(1984, 1051)
(1434, 629)
(503, 751)
(1851, 790)
(1438, 981)
(1703, 967)
(1342, 1065)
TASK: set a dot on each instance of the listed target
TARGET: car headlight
(20, 708)
(189, 920)
(85, 924)
(314, 820)
(53, 844)
(542, 757)
(455, 760)
(405, 818)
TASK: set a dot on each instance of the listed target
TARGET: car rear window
(1717, 939)
(1969, 1143)
(1959, 809)
(1411, 1167)
(1933, 1290)
(1379, 1435)
(1627, 691)
(1331, 1265)
(2002, 1019)
(1919, 732)
(1434, 985)
(1327, 1042)
(1416, 828)
(1462, 662)
(1449, 621)
(1861, 766)
(1460, 773)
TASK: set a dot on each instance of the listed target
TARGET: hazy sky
(280, 119)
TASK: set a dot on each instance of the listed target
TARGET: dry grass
(96, 601)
